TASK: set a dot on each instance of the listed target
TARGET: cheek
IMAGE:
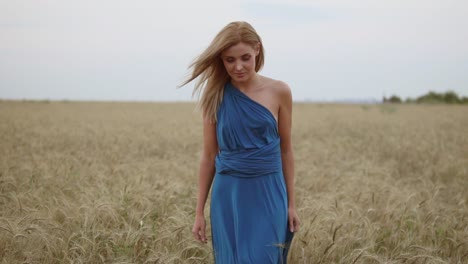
(227, 66)
(251, 64)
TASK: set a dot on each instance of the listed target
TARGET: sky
(139, 50)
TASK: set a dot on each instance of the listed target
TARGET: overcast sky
(140, 50)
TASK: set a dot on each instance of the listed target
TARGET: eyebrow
(246, 54)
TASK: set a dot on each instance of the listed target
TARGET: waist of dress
(250, 162)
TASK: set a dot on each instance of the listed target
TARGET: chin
(240, 79)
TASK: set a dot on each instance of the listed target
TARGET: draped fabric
(248, 209)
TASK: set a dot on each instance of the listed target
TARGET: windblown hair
(210, 69)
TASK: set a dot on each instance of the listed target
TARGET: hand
(198, 229)
(293, 220)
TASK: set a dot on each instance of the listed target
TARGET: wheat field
(89, 182)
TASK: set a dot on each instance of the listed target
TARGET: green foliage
(449, 97)
(394, 99)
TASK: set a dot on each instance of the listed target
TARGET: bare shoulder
(279, 87)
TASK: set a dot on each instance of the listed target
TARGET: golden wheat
(116, 183)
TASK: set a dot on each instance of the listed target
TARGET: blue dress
(249, 204)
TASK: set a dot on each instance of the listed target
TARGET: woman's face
(239, 61)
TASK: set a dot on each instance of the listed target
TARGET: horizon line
(343, 101)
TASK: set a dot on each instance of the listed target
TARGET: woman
(247, 152)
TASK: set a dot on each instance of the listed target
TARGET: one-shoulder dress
(249, 203)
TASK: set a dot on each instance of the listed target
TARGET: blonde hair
(210, 69)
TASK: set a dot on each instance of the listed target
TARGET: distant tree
(394, 99)
(451, 97)
(431, 97)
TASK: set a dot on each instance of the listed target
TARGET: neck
(247, 84)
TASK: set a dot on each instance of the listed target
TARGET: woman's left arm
(287, 154)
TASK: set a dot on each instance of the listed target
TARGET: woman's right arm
(206, 173)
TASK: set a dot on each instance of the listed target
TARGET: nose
(238, 66)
